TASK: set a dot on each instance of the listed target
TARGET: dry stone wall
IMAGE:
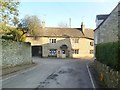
(107, 76)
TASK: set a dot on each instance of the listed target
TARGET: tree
(9, 21)
(15, 34)
(8, 14)
(32, 25)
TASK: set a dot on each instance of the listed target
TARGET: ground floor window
(53, 52)
(75, 51)
(91, 51)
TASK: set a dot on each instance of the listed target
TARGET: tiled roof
(66, 32)
(89, 33)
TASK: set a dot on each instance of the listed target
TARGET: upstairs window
(91, 51)
(75, 40)
(52, 40)
(118, 13)
(91, 43)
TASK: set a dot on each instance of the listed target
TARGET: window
(75, 40)
(91, 51)
(52, 52)
(52, 40)
(91, 43)
(75, 51)
(118, 13)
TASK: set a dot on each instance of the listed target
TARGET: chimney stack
(82, 27)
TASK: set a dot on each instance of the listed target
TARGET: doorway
(64, 50)
(37, 51)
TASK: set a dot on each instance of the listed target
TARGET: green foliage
(8, 13)
(109, 54)
(15, 34)
(9, 21)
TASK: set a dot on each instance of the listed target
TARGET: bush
(109, 54)
(15, 35)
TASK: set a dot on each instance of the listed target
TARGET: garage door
(37, 51)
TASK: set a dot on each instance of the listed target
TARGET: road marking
(18, 74)
(90, 76)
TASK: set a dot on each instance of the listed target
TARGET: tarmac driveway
(52, 73)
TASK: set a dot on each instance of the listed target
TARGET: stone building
(108, 30)
(63, 42)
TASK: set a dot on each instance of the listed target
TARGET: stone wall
(60, 42)
(15, 53)
(108, 30)
(0, 53)
(107, 76)
(0, 60)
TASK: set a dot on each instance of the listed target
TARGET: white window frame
(75, 51)
(52, 40)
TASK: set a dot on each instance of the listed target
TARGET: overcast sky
(78, 10)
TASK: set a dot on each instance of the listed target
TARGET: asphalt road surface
(51, 73)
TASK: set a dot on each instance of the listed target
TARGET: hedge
(109, 54)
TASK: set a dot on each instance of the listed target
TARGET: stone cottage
(63, 42)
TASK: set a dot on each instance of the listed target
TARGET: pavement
(15, 69)
(51, 73)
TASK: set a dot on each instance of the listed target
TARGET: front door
(63, 53)
(64, 50)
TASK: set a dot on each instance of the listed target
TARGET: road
(52, 73)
